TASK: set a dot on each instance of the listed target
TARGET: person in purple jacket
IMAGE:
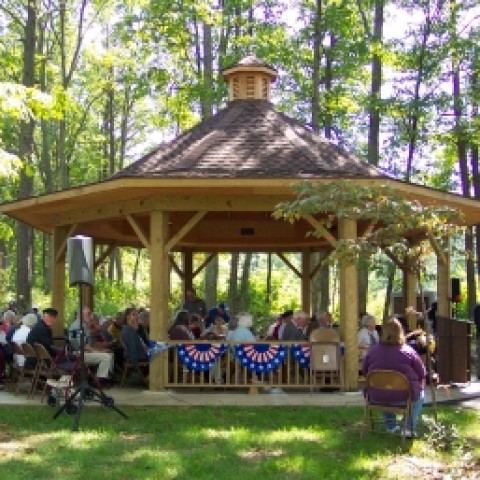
(392, 353)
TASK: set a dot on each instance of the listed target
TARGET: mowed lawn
(224, 443)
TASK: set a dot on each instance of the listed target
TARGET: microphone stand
(74, 403)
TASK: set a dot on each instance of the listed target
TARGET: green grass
(215, 443)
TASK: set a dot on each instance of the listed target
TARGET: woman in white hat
(20, 335)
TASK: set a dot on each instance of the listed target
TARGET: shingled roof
(250, 139)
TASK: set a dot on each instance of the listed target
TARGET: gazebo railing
(266, 364)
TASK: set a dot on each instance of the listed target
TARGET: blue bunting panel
(200, 357)
(301, 352)
(261, 357)
(155, 347)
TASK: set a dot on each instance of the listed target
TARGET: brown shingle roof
(250, 139)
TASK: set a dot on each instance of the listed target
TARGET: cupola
(249, 79)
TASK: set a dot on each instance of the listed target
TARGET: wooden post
(306, 291)
(347, 229)
(159, 293)
(58, 281)
(443, 282)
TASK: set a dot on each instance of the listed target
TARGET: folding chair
(383, 381)
(129, 367)
(29, 371)
(48, 369)
(326, 369)
(324, 335)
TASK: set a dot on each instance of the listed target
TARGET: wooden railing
(287, 374)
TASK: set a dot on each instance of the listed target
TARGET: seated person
(21, 334)
(115, 328)
(367, 335)
(41, 333)
(179, 329)
(295, 327)
(135, 349)
(239, 329)
(95, 352)
(392, 353)
(219, 311)
(218, 329)
(195, 325)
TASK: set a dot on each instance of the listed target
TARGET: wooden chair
(47, 369)
(27, 370)
(129, 367)
(326, 365)
(387, 381)
(17, 373)
(325, 335)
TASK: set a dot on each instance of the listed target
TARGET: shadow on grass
(197, 443)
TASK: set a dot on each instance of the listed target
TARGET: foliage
(390, 215)
(442, 436)
(110, 298)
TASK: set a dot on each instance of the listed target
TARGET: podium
(454, 357)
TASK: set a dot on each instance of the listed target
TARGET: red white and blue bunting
(200, 357)
(261, 357)
(301, 353)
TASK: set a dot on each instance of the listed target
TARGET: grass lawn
(224, 443)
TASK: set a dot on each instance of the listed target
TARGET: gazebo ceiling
(236, 166)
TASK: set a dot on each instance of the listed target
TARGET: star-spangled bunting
(200, 356)
(260, 357)
(301, 353)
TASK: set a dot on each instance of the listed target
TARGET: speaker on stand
(81, 272)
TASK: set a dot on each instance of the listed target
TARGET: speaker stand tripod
(74, 403)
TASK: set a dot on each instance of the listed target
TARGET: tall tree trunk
(475, 98)
(374, 117)
(320, 283)
(232, 283)
(461, 143)
(244, 286)
(389, 291)
(268, 291)
(25, 152)
(211, 277)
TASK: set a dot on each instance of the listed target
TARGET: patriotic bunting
(261, 357)
(301, 353)
(200, 357)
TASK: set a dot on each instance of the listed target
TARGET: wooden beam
(175, 266)
(204, 264)
(393, 258)
(437, 249)
(320, 228)
(105, 254)
(289, 265)
(227, 203)
(62, 247)
(138, 230)
(184, 230)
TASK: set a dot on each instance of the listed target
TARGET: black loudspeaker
(456, 294)
(80, 260)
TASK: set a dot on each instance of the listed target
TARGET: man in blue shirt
(219, 311)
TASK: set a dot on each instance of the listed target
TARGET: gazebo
(213, 189)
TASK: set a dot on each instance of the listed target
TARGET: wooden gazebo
(213, 189)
